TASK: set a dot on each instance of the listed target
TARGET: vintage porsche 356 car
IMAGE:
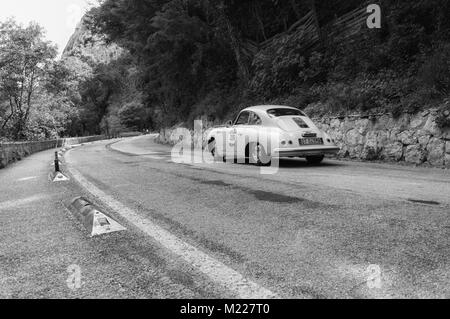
(260, 133)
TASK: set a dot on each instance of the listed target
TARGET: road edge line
(215, 270)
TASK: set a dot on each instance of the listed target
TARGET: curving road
(340, 229)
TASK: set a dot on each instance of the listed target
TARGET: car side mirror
(229, 124)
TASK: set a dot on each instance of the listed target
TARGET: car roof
(265, 108)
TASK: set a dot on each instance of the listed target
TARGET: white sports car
(260, 133)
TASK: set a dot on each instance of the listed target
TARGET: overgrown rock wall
(411, 138)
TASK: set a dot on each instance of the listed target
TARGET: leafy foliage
(24, 60)
(194, 55)
(184, 59)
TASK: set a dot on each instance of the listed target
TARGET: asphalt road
(305, 232)
(44, 249)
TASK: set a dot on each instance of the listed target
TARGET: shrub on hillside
(435, 72)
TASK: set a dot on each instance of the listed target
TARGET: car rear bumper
(303, 152)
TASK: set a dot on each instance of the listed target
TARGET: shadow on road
(289, 163)
(300, 163)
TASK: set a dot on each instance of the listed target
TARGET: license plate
(311, 141)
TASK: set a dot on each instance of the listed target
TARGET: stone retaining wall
(12, 152)
(167, 136)
(15, 151)
(85, 139)
(410, 138)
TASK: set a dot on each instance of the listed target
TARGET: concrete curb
(96, 222)
(59, 177)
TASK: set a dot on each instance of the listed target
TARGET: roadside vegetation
(33, 101)
(209, 58)
(185, 59)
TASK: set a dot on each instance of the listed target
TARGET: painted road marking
(155, 157)
(152, 153)
(27, 178)
(20, 202)
(214, 269)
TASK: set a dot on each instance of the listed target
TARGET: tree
(208, 57)
(25, 58)
(134, 115)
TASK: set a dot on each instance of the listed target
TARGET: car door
(236, 132)
(250, 133)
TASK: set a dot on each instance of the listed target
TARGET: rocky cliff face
(88, 47)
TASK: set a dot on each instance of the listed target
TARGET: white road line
(21, 202)
(26, 178)
(151, 153)
(154, 157)
(214, 269)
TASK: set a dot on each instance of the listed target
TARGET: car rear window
(285, 112)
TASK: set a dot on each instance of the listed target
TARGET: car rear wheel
(258, 155)
(315, 159)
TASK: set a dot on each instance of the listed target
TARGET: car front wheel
(258, 155)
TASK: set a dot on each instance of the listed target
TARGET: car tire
(315, 159)
(213, 150)
(258, 155)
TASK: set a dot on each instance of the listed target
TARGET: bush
(435, 72)
(133, 115)
(443, 117)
